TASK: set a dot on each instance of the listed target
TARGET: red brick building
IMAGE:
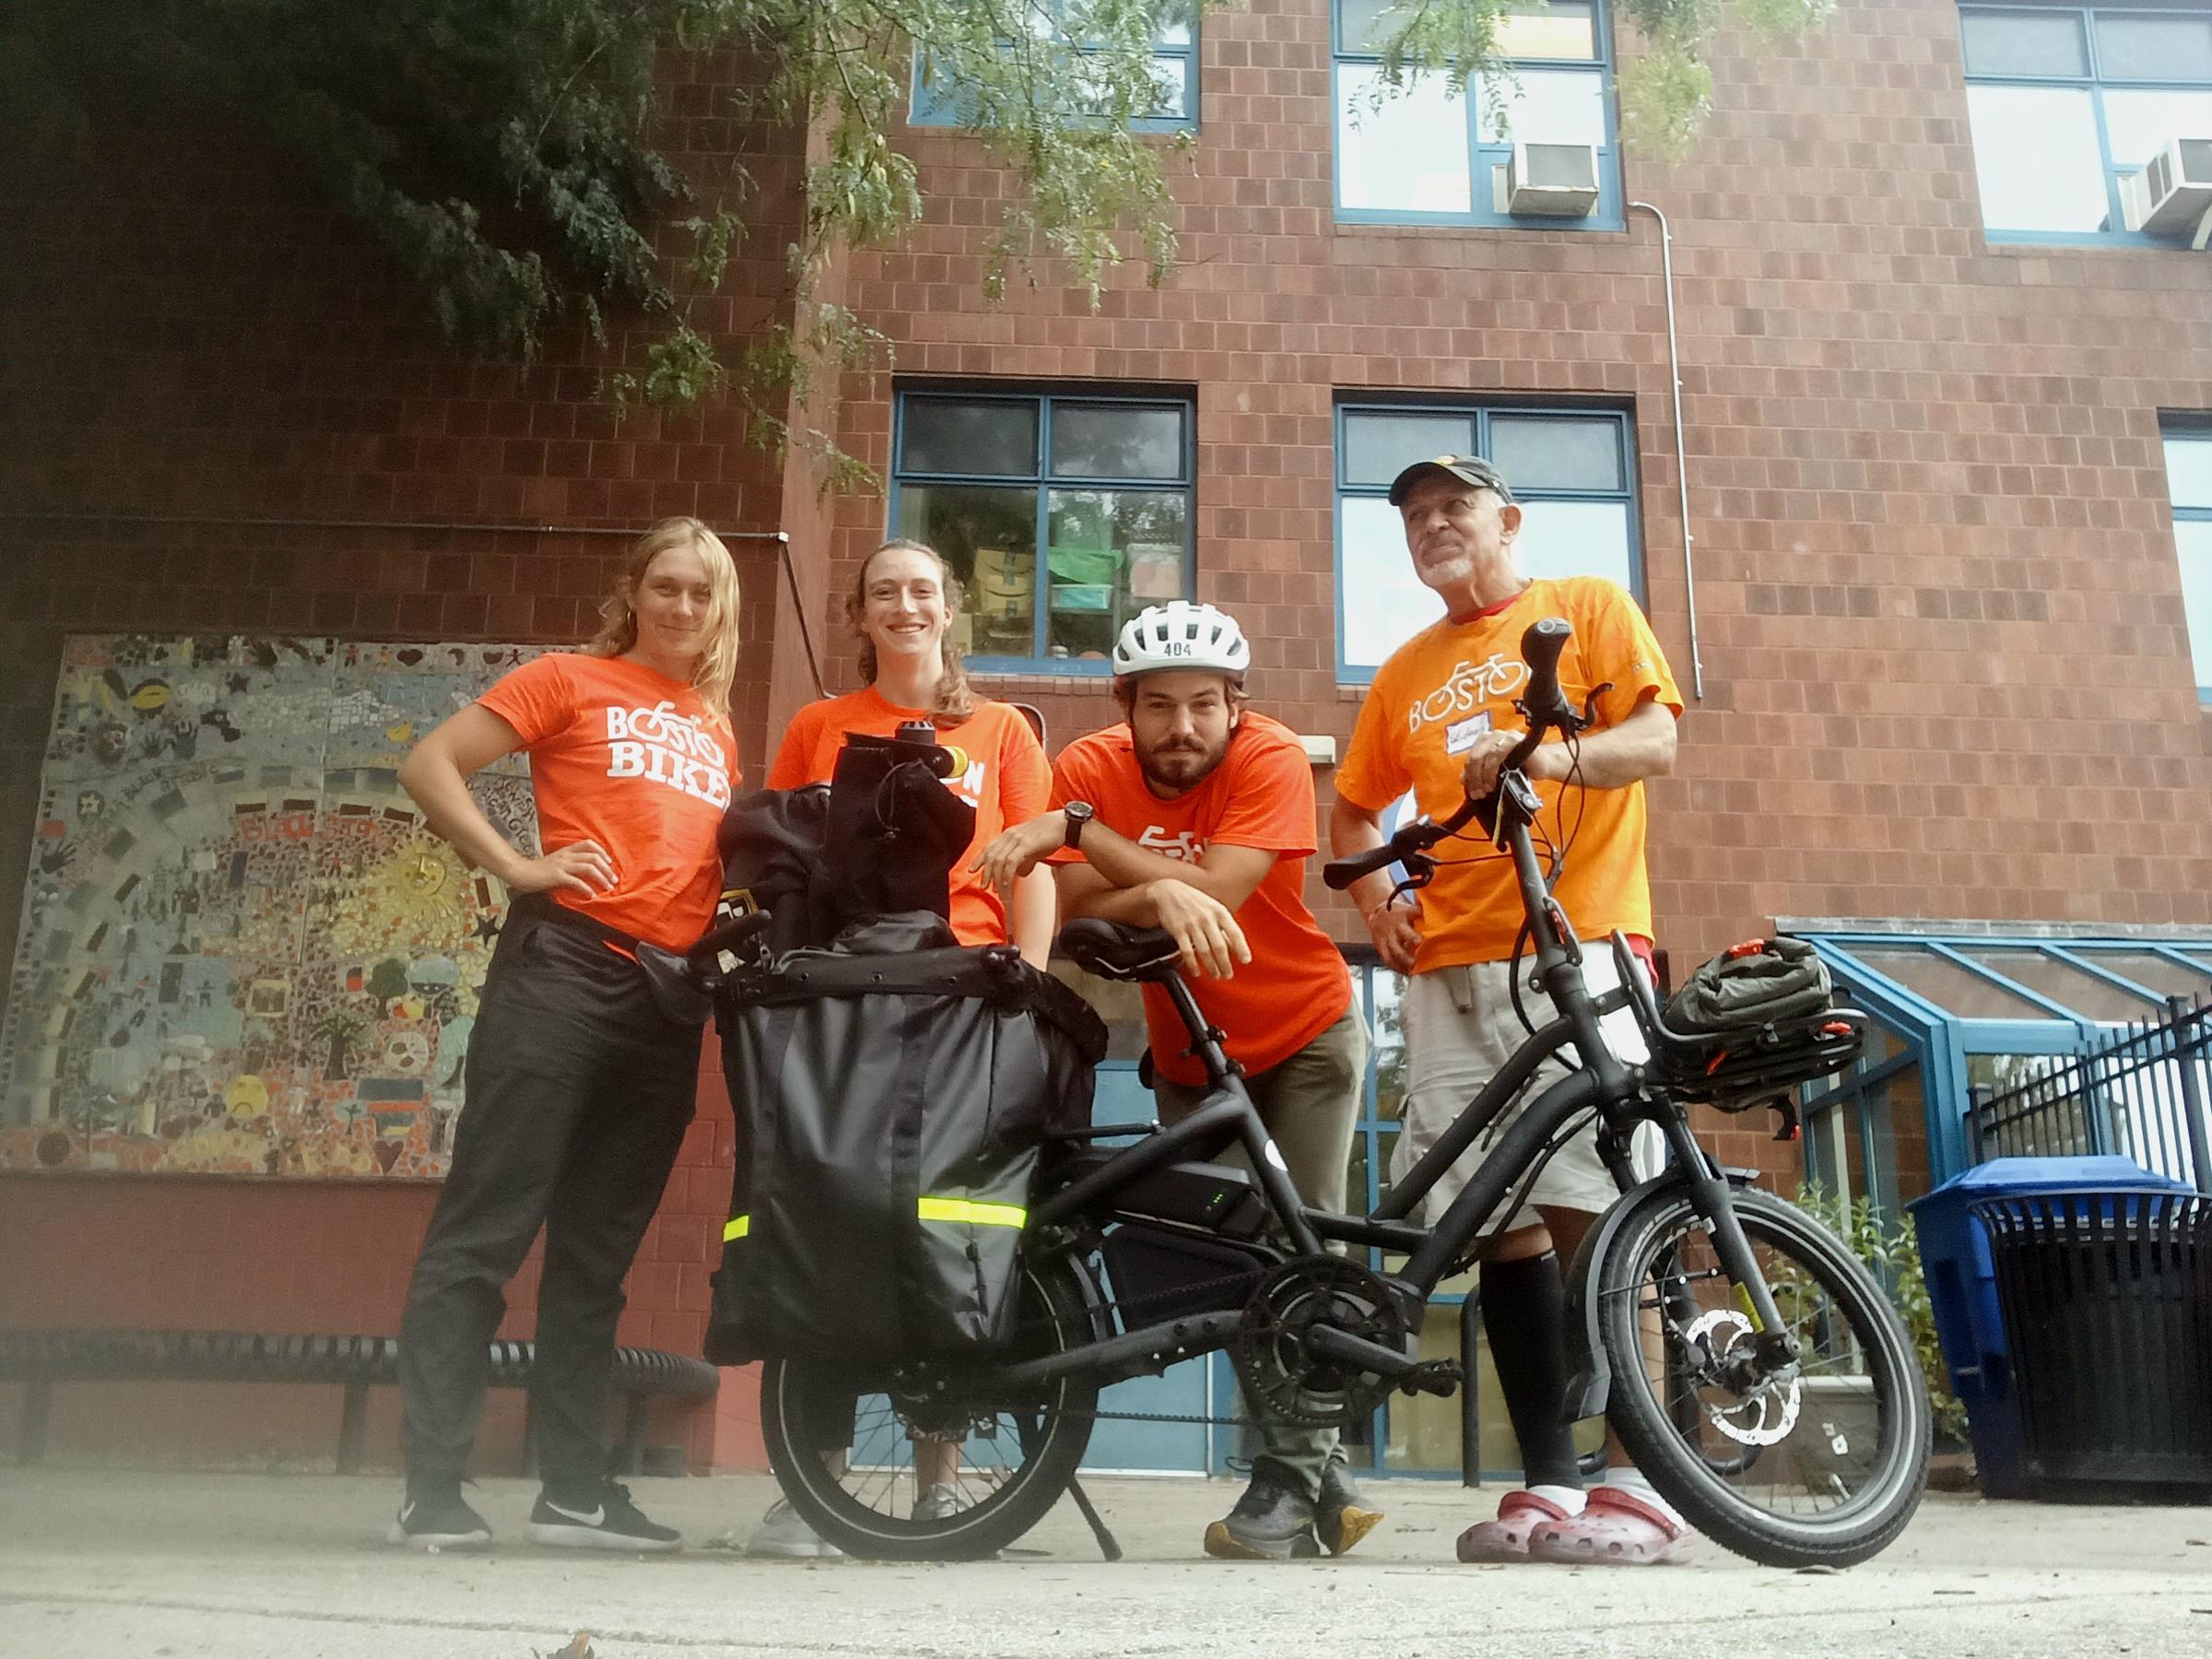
(1937, 427)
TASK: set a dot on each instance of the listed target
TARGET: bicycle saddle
(1113, 951)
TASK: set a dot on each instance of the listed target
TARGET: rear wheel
(1817, 1464)
(1015, 1455)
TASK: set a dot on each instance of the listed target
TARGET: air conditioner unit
(2169, 195)
(1555, 180)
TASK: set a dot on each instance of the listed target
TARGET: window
(2065, 102)
(1572, 471)
(1422, 155)
(2189, 484)
(937, 101)
(1085, 499)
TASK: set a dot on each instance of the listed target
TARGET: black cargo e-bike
(1749, 1363)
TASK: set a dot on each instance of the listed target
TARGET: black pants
(579, 1093)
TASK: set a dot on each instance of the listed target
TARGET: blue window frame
(2065, 102)
(1424, 156)
(1082, 498)
(1957, 1012)
(2189, 486)
(936, 101)
(1572, 468)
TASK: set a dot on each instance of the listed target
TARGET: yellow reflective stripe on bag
(738, 1227)
(967, 1210)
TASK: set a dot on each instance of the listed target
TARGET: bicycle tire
(1056, 1317)
(1869, 1518)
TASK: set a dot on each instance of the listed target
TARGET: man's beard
(1173, 771)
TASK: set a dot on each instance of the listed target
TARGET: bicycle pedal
(1440, 1377)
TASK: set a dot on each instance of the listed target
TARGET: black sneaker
(606, 1520)
(1273, 1521)
(1341, 1517)
(436, 1519)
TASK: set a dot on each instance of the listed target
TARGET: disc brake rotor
(1761, 1417)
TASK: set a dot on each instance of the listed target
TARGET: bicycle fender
(1590, 1378)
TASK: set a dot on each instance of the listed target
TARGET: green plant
(1892, 1252)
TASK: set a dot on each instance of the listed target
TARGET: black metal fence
(2143, 1093)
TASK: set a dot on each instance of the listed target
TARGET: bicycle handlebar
(1547, 710)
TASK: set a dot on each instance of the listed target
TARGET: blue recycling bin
(1962, 1291)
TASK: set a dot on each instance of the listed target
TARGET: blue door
(1186, 1390)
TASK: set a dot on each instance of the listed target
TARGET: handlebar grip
(1540, 649)
(1339, 874)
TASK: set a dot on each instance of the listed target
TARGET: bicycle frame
(1602, 1083)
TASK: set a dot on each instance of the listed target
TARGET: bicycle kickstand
(1098, 1529)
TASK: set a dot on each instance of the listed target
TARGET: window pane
(2155, 49)
(1575, 538)
(1551, 106)
(1408, 155)
(1377, 447)
(1566, 29)
(1094, 98)
(2189, 470)
(1958, 990)
(2192, 541)
(2023, 43)
(2151, 972)
(1384, 603)
(959, 435)
(1390, 1045)
(2063, 983)
(2036, 158)
(1365, 25)
(1551, 453)
(989, 536)
(1112, 440)
(2138, 123)
(1113, 552)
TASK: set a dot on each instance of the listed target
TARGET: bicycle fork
(1775, 1343)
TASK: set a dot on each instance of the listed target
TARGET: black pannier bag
(891, 1088)
(890, 1109)
(1760, 1018)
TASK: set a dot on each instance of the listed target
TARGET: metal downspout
(1674, 370)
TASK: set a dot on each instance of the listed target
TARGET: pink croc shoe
(1615, 1529)
(1506, 1538)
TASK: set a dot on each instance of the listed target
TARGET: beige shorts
(1460, 1030)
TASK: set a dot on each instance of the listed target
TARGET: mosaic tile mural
(242, 951)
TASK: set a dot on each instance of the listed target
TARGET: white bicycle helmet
(1180, 635)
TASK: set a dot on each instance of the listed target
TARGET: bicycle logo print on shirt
(1466, 688)
(662, 746)
(1183, 844)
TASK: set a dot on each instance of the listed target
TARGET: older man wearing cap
(1439, 720)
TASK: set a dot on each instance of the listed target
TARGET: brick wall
(220, 410)
(1945, 673)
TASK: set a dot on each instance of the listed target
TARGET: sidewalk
(119, 1565)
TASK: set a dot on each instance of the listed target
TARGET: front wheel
(1006, 1460)
(1817, 1464)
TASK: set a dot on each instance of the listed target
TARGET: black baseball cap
(1467, 469)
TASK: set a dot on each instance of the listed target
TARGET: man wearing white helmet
(1198, 816)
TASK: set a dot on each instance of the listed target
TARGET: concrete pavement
(102, 1564)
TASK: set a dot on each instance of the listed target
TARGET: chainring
(1283, 1380)
(1762, 1418)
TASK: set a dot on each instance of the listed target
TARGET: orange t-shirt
(624, 756)
(1006, 780)
(1296, 986)
(1454, 681)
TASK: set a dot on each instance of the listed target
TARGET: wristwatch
(1077, 814)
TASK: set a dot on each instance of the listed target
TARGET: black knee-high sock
(1524, 1312)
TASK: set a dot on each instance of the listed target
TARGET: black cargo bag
(889, 1111)
(1762, 1019)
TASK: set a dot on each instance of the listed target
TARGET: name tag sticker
(1460, 738)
